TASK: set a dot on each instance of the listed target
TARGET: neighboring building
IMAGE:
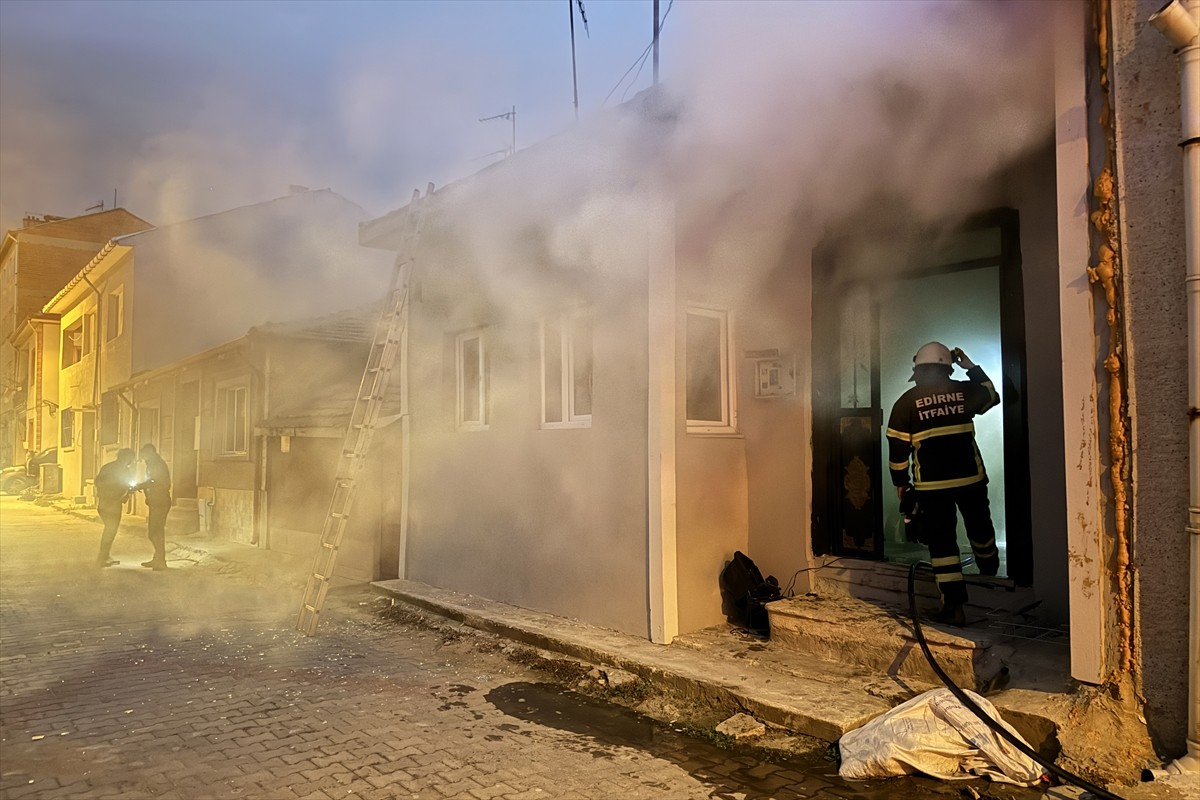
(595, 430)
(254, 428)
(36, 261)
(150, 299)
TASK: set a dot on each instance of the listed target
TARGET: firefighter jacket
(932, 424)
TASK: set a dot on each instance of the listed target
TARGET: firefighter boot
(950, 614)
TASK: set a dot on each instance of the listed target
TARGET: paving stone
(227, 700)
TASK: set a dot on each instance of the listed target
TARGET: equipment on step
(364, 417)
(745, 594)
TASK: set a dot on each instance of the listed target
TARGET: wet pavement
(192, 683)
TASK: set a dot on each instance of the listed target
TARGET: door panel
(876, 301)
(959, 309)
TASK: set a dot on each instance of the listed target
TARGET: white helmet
(933, 353)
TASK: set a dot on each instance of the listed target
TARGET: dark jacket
(157, 486)
(113, 484)
(932, 424)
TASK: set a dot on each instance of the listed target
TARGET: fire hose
(1015, 741)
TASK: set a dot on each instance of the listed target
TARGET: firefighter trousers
(939, 524)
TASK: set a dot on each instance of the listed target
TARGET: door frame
(828, 289)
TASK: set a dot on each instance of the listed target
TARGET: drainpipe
(1179, 22)
(97, 458)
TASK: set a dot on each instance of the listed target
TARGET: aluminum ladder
(364, 418)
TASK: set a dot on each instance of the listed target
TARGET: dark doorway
(876, 299)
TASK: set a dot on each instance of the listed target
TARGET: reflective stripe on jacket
(931, 424)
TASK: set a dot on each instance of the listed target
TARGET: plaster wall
(1149, 167)
(711, 481)
(553, 519)
(46, 344)
(778, 430)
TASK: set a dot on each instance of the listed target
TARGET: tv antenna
(509, 115)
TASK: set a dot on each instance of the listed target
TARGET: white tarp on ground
(937, 735)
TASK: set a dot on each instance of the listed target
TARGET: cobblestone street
(192, 683)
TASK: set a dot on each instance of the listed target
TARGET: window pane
(227, 417)
(68, 428)
(855, 357)
(114, 315)
(239, 431)
(704, 369)
(471, 380)
(581, 363)
(552, 358)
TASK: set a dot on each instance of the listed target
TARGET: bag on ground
(935, 734)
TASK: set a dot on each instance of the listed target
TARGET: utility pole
(574, 74)
(656, 23)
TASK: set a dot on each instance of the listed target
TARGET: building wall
(778, 429)
(711, 481)
(77, 393)
(548, 519)
(45, 387)
(228, 480)
(1150, 184)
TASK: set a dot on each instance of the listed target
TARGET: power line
(641, 59)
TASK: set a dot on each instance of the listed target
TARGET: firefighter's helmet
(934, 353)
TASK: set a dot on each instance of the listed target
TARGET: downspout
(1179, 22)
(95, 372)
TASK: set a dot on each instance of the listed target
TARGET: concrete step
(879, 637)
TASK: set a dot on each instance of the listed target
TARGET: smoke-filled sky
(187, 108)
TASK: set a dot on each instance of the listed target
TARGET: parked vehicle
(15, 480)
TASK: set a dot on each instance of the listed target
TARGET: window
(232, 429)
(110, 418)
(567, 371)
(115, 314)
(710, 393)
(89, 332)
(472, 382)
(67, 437)
(72, 344)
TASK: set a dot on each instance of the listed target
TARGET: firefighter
(931, 426)
(157, 490)
(114, 482)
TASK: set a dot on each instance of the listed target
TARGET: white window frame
(727, 379)
(223, 428)
(65, 442)
(484, 388)
(72, 344)
(115, 297)
(567, 356)
(89, 333)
